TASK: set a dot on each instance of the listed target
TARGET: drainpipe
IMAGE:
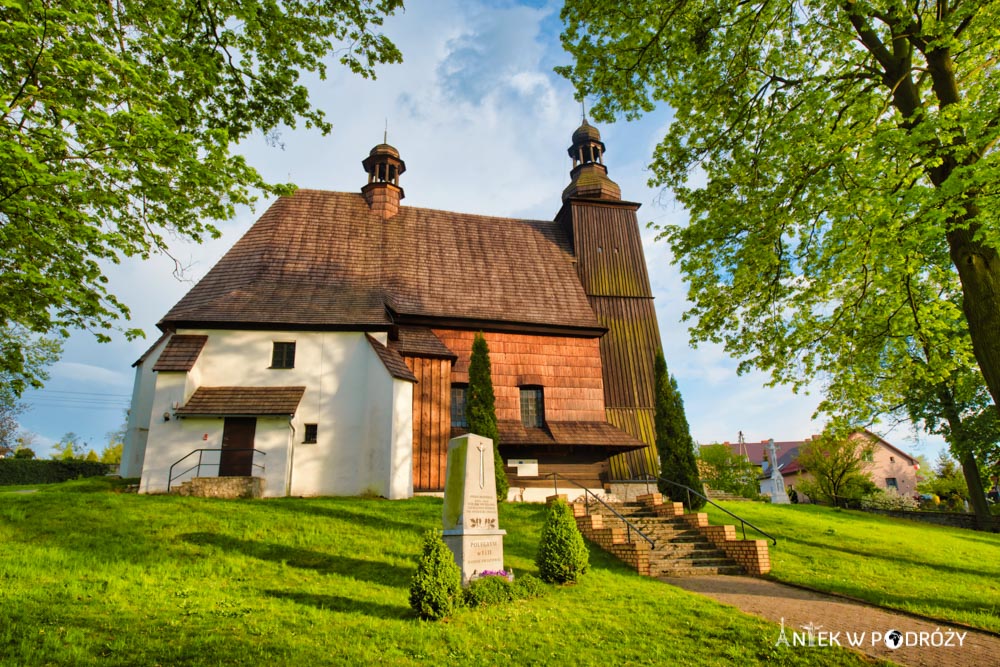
(290, 458)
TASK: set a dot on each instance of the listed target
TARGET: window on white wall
(283, 355)
(310, 435)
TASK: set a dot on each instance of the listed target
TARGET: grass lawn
(92, 577)
(945, 573)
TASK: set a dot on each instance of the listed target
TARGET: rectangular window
(532, 407)
(310, 435)
(890, 483)
(283, 355)
(869, 457)
(458, 406)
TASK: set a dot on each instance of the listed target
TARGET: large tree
(838, 161)
(117, 121)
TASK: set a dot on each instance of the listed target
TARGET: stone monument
(471, 528)
(778, 494)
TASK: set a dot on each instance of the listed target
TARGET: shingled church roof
(325, 260)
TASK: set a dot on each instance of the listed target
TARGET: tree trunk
(979, 270)
(984, 521)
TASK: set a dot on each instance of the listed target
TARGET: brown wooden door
(237, 447)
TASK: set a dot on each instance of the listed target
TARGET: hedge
(24, 471)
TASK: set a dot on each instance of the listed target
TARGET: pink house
(889, 466)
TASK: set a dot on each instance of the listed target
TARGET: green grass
(945, 573)
(93, 577)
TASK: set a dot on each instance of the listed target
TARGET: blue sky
(483, 125)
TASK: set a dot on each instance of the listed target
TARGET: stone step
(685, 571)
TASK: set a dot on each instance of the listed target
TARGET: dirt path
(828, 614)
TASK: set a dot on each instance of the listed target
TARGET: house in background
(327, 352)
(889, 466)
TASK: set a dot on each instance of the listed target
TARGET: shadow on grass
(342, 604)
(357, 518)
(371, 571)
(897, 558)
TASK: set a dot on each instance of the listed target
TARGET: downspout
(291, 456)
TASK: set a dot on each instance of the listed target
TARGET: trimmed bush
(480, 408)
(437, 584)
(487, 591)
(562, 555)
(30, 471)
(527, 586)
(888, 500)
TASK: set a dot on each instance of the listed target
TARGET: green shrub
(437, 584)
(488, 591)
(29, 471)
(527, 586)
(888, 500)
(562, 555)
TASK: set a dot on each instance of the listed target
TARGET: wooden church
(327, 352)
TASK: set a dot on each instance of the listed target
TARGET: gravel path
(828, 614)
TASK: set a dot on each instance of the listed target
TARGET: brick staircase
(683, 544)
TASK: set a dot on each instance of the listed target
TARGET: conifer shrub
(480, 408)
(562, 555)
(527, 586)
(488, 591)
(437, 584)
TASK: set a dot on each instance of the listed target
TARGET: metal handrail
(170, 473)
(587, 493)
(743, 522)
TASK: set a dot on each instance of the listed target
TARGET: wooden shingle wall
(612, 268)
(568, 369)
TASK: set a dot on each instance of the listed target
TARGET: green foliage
(673, 439)
(834, 158)
(724, 470)
(489, 591)
(69, 448)
(527, 587)
(118, 123)
(91, 456)
(888, 500)
(437, 584)
(947, 483)
(24, 453)
(562, 555)
(112, 453)
(29, 471)
(480, 408)
(838, 465)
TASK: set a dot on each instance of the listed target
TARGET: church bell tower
(612, 268)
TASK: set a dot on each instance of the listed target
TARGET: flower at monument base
(506, 573)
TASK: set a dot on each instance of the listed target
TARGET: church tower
(612, 267)
(382, 192)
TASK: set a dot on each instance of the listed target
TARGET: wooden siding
(608, 247)
(567, 368)
(431, 421)
(640, 423)
(612, 268)
(575, 465)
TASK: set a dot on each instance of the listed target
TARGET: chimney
(382, 191)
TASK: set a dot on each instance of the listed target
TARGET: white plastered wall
(363, 415)
(137, 425)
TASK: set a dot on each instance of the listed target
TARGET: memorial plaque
(469, 517)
